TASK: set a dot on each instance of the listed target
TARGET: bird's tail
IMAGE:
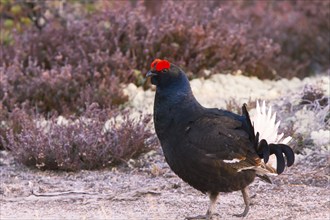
(264, 122)
(265, 129)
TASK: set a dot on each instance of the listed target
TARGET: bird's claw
(203, 217)
(246, 210)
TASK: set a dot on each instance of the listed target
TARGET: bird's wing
(220, 139)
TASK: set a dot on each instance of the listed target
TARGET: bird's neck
(178, 95)
(175, 104)
(173, 96)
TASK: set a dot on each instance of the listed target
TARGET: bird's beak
(150, 73)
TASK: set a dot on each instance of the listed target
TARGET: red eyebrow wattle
(154, 63)
(163, 64)
(160, 65)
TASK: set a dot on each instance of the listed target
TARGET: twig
(50, 194)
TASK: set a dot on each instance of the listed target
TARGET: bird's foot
(252, 202)
(202, 217)
(246, 210)
(246, 201)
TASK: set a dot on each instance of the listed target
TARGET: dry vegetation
(87, 142)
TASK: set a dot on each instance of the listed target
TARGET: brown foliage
(81, 143)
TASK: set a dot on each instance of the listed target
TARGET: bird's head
(165, 74)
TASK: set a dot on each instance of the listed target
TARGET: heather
(58, 60)
(83, 57)
(88, 142)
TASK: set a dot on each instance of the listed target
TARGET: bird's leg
(210, 212)
(213, 201)
(246, 198)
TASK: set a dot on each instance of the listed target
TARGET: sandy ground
(146, 188)
(152, 191)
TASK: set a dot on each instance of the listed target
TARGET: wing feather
(220, 140)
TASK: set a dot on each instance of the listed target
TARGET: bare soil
(147, 189)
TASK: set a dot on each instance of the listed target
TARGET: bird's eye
(164, 70)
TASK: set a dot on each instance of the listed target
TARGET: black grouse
(213, 150)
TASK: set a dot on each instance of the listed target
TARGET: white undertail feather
(261, 170)
(264, 122)
(235, 160)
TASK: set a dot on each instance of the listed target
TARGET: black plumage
(212, 150)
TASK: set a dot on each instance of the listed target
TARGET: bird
(211, 149)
